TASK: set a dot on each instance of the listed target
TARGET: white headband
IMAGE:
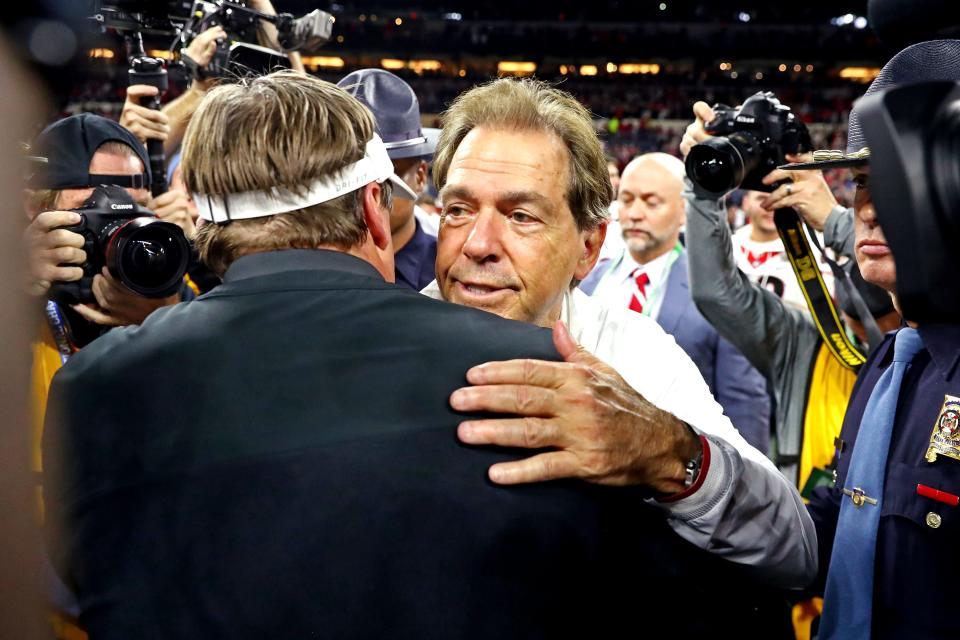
(374, 166)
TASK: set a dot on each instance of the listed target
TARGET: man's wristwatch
(692, 468)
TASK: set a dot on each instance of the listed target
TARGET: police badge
(945, 439)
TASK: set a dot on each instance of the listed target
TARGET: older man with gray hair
(525, 191)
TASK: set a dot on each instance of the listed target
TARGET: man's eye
(454, 211)
(862, 182)
(521, 217)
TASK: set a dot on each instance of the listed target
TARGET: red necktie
(642, 280)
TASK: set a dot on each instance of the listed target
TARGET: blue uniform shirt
(415, 263)
(918, 540)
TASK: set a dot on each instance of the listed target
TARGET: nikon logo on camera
(121, 206)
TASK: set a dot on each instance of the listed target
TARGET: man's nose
(637, 211)
(867, 214)
(484, 242)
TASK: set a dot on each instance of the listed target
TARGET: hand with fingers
(143, 122)
(806, 192)
(51, 250)
(176, 206)
(118, 306)
(598, 427)
(202, 48)
(696, 133)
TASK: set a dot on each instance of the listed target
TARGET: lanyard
(58, 327)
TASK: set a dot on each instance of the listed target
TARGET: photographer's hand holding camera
(806, 192)
(169, 125)
(78, 153)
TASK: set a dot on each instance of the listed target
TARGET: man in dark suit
(312, 484)
(649, 276)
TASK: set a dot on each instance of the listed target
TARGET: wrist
(698, 468)
(685, 455)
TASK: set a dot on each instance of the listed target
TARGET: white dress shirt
(745, 510)
(618, 287)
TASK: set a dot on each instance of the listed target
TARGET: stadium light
(860, 74)
(322, 61)
(516, 68)
(639, 67)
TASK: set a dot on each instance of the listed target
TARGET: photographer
(80, 151)
(810, 386)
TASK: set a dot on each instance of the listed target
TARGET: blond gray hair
(528, 104)
(281, 130)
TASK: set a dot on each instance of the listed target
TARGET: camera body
(749, 142)
(149, 256)
(237, 56)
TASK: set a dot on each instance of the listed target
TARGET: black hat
(933, 60)
(62, 152)
(396, 112)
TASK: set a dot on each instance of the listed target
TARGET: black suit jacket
(278, 459)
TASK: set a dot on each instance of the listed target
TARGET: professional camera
(913, 133)
(149, 256)
(749, 143)
(237, 56)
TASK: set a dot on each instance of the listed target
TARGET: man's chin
(881, 272)
(638, 244)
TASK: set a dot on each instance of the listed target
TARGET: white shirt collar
(653, 269)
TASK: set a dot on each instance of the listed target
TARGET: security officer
(886, 529)
(396, 112)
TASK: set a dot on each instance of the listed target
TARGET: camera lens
(149, 256)
(719, 165)
(715, 166)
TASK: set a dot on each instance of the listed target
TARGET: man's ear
(592, 242)
(421, 178)
(376, 217)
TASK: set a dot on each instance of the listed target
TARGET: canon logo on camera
(121, 206)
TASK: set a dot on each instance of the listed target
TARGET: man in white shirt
(649, 277)
(525, 190)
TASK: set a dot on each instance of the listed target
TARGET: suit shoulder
(116, 345)
(481, 331)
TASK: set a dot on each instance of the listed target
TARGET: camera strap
(818, 298)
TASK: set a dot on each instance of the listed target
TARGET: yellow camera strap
(818, 298)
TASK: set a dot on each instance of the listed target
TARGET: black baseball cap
(60, 156)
